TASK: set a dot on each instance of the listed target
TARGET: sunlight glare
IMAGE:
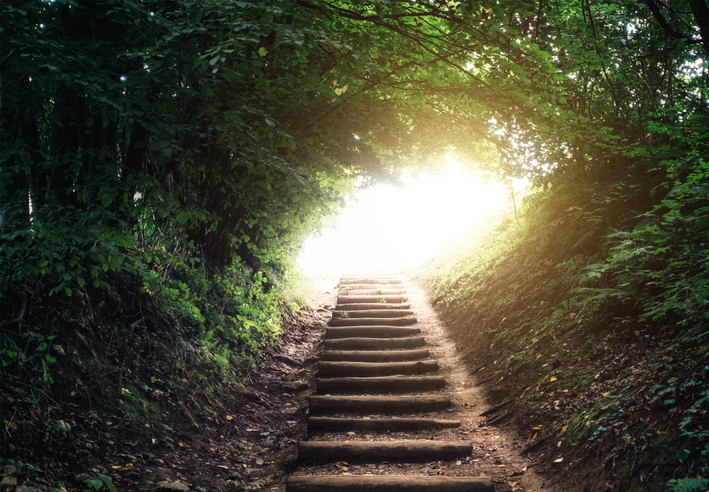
(397, 228)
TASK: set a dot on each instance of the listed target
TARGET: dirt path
(356, 450)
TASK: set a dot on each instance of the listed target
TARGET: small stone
(295, 385)
(11, 470)
(290, 411)
(80, 477)
(259, 461)
(25, 488)
(8, 481)
(175, 486)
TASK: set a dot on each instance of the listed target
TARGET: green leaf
(93, 483)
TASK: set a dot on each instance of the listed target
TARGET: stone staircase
(376, 375)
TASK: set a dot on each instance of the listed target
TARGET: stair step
(332, 424)
(385, 274)
(373, 305)
(372, 451)
(372, 321)
(374, 356)
(371, 280)
(377, 404)
(373, 331)
(370, 286)
(387, 384)
(372, 313)
(370, 369)
(374, 344)
(388, 483)
(357, 299)
(370, 292)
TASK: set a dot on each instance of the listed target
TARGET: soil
(252, 443)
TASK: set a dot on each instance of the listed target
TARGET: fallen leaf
(552, 379)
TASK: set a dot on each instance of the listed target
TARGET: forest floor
(251, 443)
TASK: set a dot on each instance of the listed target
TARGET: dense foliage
(194, 145)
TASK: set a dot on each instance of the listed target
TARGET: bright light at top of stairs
(388, 227)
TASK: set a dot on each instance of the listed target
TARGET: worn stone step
(329, 369)
(374, 344)
(357, 299)
(373, 275)
(370, 292)
(372, 321)
(370, 332)
(388, 483)
(371, 313)
(345, 424)
(378, 286)
(384, 384)
(377, 404)
(371, 280)
(373, 305)
(374, 355)
(372, 451)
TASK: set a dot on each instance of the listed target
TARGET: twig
(497, 407)
(498, 420)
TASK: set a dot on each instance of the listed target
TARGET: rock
(11, 470)
(289, 411)
(25, 488)
(8, 481)
(175, 486)
(295, 385)
(259, 461)
(234, 475)
(256, 485)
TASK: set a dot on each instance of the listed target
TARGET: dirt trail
(390, 424)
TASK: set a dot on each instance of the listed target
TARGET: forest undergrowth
(133, 363)
(591, 311)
